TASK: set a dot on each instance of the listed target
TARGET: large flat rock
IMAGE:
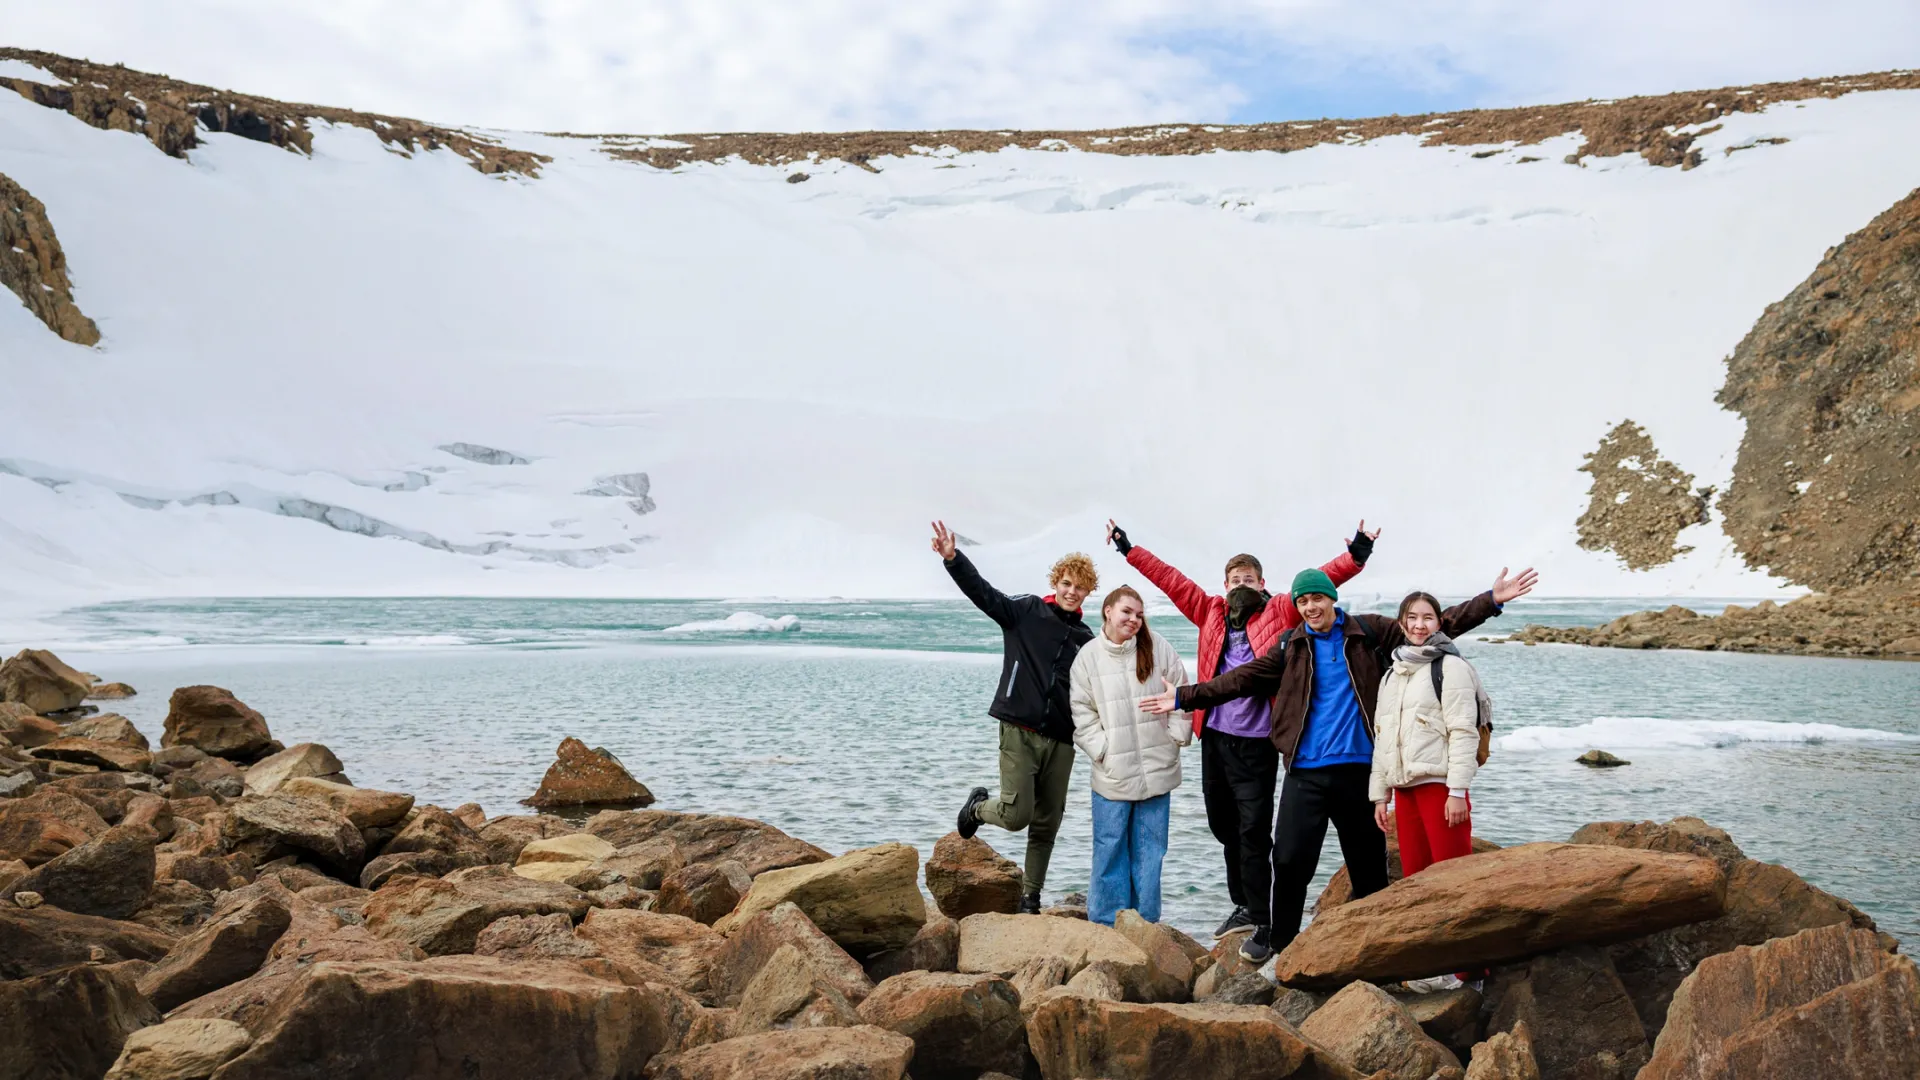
(868, 901)
(1074, 1037)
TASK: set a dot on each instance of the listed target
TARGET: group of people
(1375, 723)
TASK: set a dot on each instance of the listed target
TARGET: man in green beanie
(1325, 679)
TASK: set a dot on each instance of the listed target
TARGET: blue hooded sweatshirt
(1335, 733)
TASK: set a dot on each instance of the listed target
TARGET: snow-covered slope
(1228, 351)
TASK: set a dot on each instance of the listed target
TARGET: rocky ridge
(1872, 620)
(223, 908)
(1639, 501)
(34, 267)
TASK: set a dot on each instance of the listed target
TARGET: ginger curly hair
(1077, 568)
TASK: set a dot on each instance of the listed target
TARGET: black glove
(1360, 547)
(1120, 541)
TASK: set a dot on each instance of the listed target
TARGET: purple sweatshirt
(1247, 717)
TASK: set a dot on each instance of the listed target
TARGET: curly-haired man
(1041, 636)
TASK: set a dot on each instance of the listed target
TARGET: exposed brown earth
(34, 267)
(171, 113)
(1639, 501)
(1873, 620)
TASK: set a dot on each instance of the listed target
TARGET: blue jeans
(1129, 842)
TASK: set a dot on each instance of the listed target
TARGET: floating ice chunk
(740, 622)
(1648, 732)
(484, 455)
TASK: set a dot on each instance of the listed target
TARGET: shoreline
(1866, 622)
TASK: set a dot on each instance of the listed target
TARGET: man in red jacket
(1239, 765)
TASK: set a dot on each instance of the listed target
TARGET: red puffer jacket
(1209, 613)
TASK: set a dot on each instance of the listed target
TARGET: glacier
(362, 373)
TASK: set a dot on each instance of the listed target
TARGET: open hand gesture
(1512, 588)
(1162, 703)
(1117, 536)
(943, 542)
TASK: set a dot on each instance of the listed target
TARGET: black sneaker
(1240, 917)
(1030, 903)
(969, 822)
(1258, 948)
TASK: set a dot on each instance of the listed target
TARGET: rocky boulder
(179, 1050)
(111, 691)
(366, 808)
(703, 892)
(1500, 906)
(935, 948)
(445, 915)
(868, 901)
(850, 1053)
(1451, 1017)
(708, 838)
(385, 868)
(45, 938)
(1003, 944)
(1827, 1002)
(1339, 888)
(458, 1018)
(99, 753)
(1365, 1027)
(968, 877)
(69, 1023)
(271, 773)
(504, 836)
(107, 727)
(1506, 1055)
(961, 1025)
(39, 680)
(308, 941)
(271, 826)
(1169, 972)
(212, 720)
(1082, 1037)
(787, 993)
(45, 825)
(433, 829)
(644, 865)
(110, 875)
(1581, 1020)
(581, 776)
(673, 950)
(232, 946)
(532, 937)
(752, 944)
(561, 857)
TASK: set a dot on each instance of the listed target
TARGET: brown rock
(560, 858)
(532, 937)
(1451, 1017)
(471, 814)
(1294, 1006)
(1506, 1055)
(787, 993)
(1246, 988)
(1682, 835)
(868, 901)
(1002, 944)
(269, 826)
(584, 777)
(151, 811)
(306, 943)
(214, 721)
(365, 807)
(11, 870)
(1038, 975)
(752, 943)
(210, 776)
(210, 872)
(1080, 1037)
(1102, 979)
(1490, 908)
(270, 773)
(108, 727)
(935, 948)
(45, 825)
(961, 1025)
(703, 892)
(416, 863)
(446, 915)
(175, 908)
(680, 951)
(851, 1053)
(433, 829)
(69, 1023)
(1581, 1020)
(179, 1050)
(505, 836)
(1826, 1002)
(34, 942)
(22, 727)
(1365, 1027)
(967, 877)
(95, 752)
(111, 691)
(646, 864)
(110, 875)
(707, 838)
(1169, 973)
(39, 680)
(1339, 888)
(458, 1017)
(229, 948)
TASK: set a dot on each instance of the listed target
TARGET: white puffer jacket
(1418, 739)
(1135, 754)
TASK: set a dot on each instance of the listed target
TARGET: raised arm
(1260, 677)
(996, 604)
(1280, 616)
(1463, 617)
(1191, 599)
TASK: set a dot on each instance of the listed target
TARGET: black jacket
(1040, 642)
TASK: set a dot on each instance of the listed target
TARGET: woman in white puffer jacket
(1135, 754)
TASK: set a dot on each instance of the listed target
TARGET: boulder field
(225, 907)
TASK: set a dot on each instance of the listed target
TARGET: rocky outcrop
(1073, 1036)
(1638, 502)
(35, 677)
(34, 267)
(1829, 1002)
(215, 722)
(868, 901)
(581, 776)
(108, 727)
(1500, 906)
(967, 877)
(935, 948)
(24, 728)
(1872, 620)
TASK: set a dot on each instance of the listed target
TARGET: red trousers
(1420, 819)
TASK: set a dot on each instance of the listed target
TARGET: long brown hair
(1142, 653)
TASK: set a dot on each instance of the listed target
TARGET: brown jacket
(1286, 670)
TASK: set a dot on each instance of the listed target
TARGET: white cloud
(678, 65)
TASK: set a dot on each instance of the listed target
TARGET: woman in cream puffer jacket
(1135, 754)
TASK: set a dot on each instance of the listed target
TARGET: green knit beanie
(1314, 581)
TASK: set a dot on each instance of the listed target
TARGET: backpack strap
(1438, 679)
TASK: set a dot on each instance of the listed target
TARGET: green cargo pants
(1034, 773)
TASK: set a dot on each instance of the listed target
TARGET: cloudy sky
(705, 65)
